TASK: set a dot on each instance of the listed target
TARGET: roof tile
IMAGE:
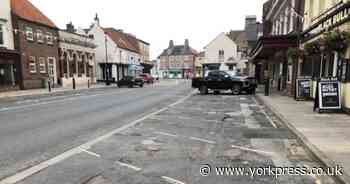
(26, 10)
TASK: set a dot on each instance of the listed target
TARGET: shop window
(42, 65)
(32, 64)
(40, 36)
(1, 34)
(344, 68)
(29, 34)
(49, 38)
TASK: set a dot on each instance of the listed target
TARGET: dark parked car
(221, 80)
(130, 82)
(147, 78)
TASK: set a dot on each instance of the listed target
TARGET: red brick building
(36, 39)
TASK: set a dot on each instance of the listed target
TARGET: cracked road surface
(172, 145)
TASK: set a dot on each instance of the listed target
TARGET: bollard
(88, 83)
(49, 85)
(73, 81)
(267, 87)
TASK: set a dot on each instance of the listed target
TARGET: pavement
(326, 135)
(44, 91)
(165, 134)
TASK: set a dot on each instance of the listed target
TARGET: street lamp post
(106, 72)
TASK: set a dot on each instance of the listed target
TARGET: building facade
(246, 40)
(177, 61)
(282, 23)
(199, 62)
(36, 38)
(221, 53)
(118, 53)
(146, 63)
(322, 18)
(9, 58)
(77, 58)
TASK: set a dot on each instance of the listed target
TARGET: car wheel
(236, 89)
(203, 90)
(141, 85)
(130, 86)
(216, 92)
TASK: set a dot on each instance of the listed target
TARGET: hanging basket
(312, 48)
(337, 41)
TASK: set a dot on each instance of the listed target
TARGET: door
(51, 64)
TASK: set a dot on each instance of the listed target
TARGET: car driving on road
(222, 80)
(130, 81)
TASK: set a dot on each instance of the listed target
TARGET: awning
(268, 45)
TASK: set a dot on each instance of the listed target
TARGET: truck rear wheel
(203, 90)
(236, 89)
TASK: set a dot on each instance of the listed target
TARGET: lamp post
(106, 72)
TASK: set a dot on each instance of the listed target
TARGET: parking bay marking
(74, 151)
(172, 180)
(128, 166)
(253, 150)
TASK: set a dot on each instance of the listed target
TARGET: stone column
(66, 59)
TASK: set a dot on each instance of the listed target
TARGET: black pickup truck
(221, 80)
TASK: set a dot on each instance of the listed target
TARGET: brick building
(36, 38)
(177, 61)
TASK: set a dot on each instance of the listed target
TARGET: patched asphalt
(170, 147)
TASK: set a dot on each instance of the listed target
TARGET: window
(40, 36)
(29, 34)
(1, 35)
(32, 64)
(42, 65)
(49, 38)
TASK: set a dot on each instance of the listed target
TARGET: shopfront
(326, 51)
(9, 73)
(272, 62)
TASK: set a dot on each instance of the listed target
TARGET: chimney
(187, 45)
(250, 20)
(171, 44)
(97, 20)
(70, 27)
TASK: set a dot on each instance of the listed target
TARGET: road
(162, 134)
(37, 129)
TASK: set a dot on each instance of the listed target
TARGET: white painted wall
(221, 42)
(5, 21)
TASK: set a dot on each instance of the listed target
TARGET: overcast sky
(157, 21)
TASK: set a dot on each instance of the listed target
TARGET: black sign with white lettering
(329, 95)
(303, 88)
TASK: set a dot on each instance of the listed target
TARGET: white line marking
(128, 166)
(167, 134)
(253, 150)
(267, 116)
(171, 180)
(91, 153)
(35, 169)
(202, 140)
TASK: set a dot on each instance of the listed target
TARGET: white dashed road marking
(166, 134)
